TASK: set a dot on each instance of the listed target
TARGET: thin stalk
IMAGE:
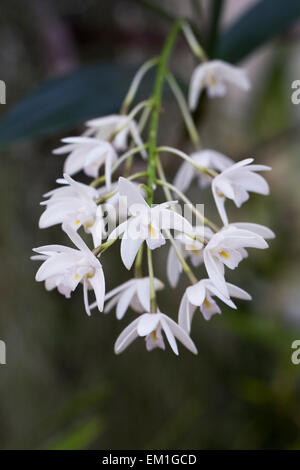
(189, 122)
(138, 263)
(131, 116)
(193, 42)
(103, 247)
(181, 259)
(153, 307)
(183, 197)
(156, 102)
(168, 195)
(141, 125)
(141, 174)
(144, 118)
(136, 83)
(162, 176)
(135, 176)
(119, 162)
(208, 171)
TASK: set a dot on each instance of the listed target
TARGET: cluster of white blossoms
(112, 141)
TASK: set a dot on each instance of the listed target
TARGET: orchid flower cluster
(112, 141)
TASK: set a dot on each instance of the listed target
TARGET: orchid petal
(180, 334)
(148, 323)
(124, 301)
(129, 249)
(128, 335)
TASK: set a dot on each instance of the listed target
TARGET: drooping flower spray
(143, 226)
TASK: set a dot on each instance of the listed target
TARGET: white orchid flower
(115, 206)
(206, 158)
(88, 154)
(235, 182)
(134, 293)
(74, 203)
(65, 267)
(151, 325)
(227, 248)
(115, 128)
(145, 224)
(200, 295)
(261, 230)
(213, 76)
(190, 248)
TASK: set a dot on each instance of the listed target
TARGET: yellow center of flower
(212, 81)
(219, 193)
(76, 277)
(77, 222)
(224, 254)
(89, 275)
(152, 231)
(154, 334)
(206, 303)
(196, 251)
(88, 225)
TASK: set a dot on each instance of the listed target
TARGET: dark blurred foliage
(63, 387)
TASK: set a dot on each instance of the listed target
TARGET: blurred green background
(62, 386)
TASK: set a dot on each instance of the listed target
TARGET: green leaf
(65, 102)
(216, 10)
(257, 25)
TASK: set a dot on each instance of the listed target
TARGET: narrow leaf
(65, 102)
(257, 25)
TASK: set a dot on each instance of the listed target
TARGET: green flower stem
(100, 200)
(103, 247)
(141, 125)
(182, 196)
(136, 83)
(138, 263)
(96, 182)
(193, 42)
(162, 176)
(169, 197)
(153, 306)
(181, 259)
(184, 156)
(156, 103)
(131, 116)
(141, 174)
(189, 122)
